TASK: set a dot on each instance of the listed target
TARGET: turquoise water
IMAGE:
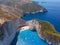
(53, 14)
(28, 37)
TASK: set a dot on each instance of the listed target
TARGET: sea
(29, 37)
(52, 16)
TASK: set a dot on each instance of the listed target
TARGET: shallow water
(53, 16)
(28, 37)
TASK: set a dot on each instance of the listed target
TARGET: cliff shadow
(14, 41)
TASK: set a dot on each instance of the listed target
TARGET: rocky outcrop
(10, 18)
(33, 24)
(8, 31)
(22, 6)
(47, 33)
(11, 10)
(9, 24)
(32, 8)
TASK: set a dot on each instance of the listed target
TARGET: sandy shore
(24, 28)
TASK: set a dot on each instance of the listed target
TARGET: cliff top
(31, 7)
(48, 28)
(6, 17)
(11, 9)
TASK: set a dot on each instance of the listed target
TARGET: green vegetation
(48, 28)
(31, 7)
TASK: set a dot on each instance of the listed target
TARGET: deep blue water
(28, 37)
(53, 14)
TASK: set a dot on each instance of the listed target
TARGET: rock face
(1, 33)
(8, 31)
(10, 18)
(33, 25)
(47, 33)
(32, 8)
(10, 10)
(10, 22)
(21, 6)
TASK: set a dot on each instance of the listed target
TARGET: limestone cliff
(47, 32)
(9, 24)
(11, 12)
